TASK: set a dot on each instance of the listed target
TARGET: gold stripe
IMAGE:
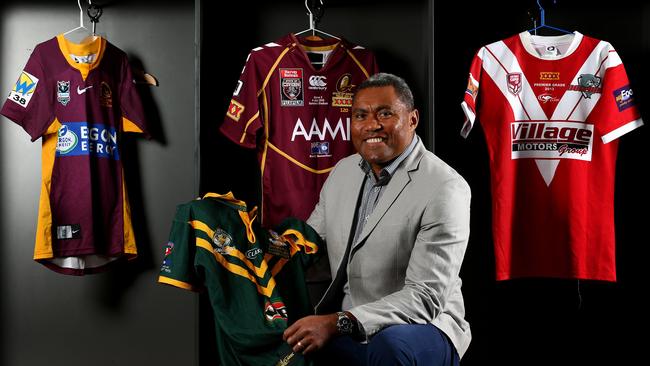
(130, 126)
(230, 197)
(129, 236)
(238, 270)
(301, 240)
(203, 227)
(250, 235)
(43, 245)
(268, 76)
(288, 157)
(363, 69)
(176, 283)
(232, 251)
(243, 135)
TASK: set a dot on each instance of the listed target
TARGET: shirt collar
(388, 171)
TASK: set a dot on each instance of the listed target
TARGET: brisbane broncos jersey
(302, 114)
(79, 98)
(254, 278)
(552, 110)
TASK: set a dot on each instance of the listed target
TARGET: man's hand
(311, 332)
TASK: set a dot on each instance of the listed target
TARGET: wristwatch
(344, 324)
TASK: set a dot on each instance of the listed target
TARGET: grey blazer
(404, 267)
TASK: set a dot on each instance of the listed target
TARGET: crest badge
(63, 92)
(515, 82)
(221, 241)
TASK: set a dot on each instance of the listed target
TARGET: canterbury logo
(81, 91)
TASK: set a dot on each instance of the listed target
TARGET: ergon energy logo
(551, 140)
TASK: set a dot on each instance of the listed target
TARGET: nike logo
(81, 91)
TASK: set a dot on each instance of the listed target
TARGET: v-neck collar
(95, 46)
(303, 45)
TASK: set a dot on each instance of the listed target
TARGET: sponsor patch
(222, 241)
(624, 98)
(342, 97)
(167, 262)
(63, 92)
(24, 89)
(68, 231)
(81, 90)
(80, 138)
(320, 149)
(235, 110)
(551, 140)
(317, 82)
(514, 80)
(547, 98)
(322, 131)
(277, 246)
(275, 310)
(549, 75)
(588, 84)
(472, 87)
(253, 253)
(291, 88)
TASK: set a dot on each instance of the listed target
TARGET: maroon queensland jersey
(302, 114)
(79, 98)
(552, 110)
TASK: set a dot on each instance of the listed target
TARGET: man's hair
(384, 79)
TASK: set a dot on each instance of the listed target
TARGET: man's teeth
(376, 139)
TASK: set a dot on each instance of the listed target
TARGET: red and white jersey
(552, 109)
(297, 116)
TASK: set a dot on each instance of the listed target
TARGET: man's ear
(414, 118)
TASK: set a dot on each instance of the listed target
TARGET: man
(395, 219)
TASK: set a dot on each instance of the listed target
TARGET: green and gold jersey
(254, 278)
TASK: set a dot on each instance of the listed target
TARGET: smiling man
(395, 220)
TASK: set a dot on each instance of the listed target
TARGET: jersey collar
(96, 46)
(527, 41)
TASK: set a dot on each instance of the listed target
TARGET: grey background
(122, 317)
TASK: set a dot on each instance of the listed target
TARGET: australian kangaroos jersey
(254, 278)
(80, 99)
(297, 116)
(552, 110)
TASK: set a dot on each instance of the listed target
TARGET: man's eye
(359, 116)
(385, 114)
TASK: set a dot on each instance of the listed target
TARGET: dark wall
(530, 322)
(122, 317)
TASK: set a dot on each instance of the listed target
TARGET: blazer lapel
(348, 204)
(396, 185)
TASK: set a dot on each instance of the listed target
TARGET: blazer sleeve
(433, 269)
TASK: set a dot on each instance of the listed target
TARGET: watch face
(344, 324)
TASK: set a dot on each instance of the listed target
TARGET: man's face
(382, 125)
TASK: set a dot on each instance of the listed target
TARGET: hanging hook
(94, 12)
(81, 15)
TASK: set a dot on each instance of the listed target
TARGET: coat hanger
(319, 10)
(81, 27)
(542, 22)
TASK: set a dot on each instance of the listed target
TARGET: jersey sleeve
(132, 112)
(243, 118)
(178, 265)
(304, 240)
(616, 112)
(471, 93)
(29, 104)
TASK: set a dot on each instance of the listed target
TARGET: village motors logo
(551, 140)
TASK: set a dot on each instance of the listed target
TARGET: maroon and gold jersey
(301, 115)
(79, 98)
